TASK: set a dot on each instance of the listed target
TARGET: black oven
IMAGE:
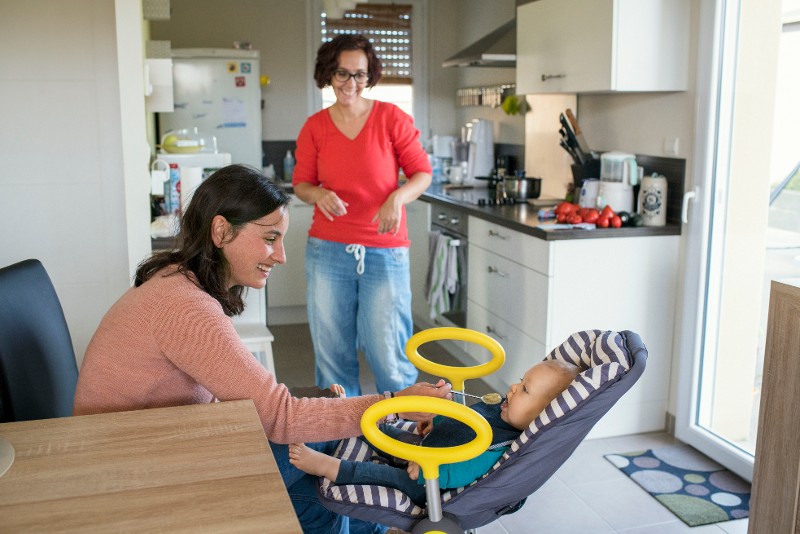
(450, 224)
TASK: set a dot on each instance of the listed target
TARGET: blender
(618, 174)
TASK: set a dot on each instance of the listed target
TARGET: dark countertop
(523, 218)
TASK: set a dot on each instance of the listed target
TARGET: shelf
(488, 95)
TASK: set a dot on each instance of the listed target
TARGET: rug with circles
(692, 486)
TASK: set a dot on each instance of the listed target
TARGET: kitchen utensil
(619, 167)
(489, 398)
(618, 195)
(618, 174)
(653, 200)
(571, 141)
(577, 130)
(589, 191)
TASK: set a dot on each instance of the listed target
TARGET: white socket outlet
(671, 146)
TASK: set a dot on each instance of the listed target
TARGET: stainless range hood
(498, 49)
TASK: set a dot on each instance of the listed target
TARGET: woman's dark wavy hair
(239, 193)
(328, 58)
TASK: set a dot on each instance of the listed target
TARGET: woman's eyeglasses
(343, 76)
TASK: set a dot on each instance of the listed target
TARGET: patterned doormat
(692, 486)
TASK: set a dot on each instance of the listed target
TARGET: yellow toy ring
(456, 375)
(428, 458)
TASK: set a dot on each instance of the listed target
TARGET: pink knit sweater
(168, 343)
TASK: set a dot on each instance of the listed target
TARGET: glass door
(732, 246)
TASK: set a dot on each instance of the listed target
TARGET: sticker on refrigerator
(232, 67)
(240, 81)
(245, 68)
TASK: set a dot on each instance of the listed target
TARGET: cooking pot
(521, 187)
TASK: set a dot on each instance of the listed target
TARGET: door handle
(498, 272)
(492, 233)
(688, 196)
(495, 333)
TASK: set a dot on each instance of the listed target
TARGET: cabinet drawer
(515, 246)
(512, 292)
(522, 351)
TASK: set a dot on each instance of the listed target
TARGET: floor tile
(734, 527)
(622, 503)
(545, 511)
(672, 527)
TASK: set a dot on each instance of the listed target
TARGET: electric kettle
(618, 174)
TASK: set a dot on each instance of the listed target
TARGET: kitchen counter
(523, 217)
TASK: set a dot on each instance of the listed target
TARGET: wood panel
(776, 474)
(188, 468)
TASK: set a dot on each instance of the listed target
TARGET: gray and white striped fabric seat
(602, 355)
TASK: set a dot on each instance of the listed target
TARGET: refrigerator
(217, 91)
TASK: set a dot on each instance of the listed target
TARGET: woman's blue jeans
(302, 489)
(348, 309)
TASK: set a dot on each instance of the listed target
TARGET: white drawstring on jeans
(358, 252)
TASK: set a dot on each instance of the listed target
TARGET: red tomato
(602, 222)
(591, 216)
(575, 219)
(561, 218)
(607, 212)
(561, 208)
(616, 222)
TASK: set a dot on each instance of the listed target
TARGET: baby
(524, 401)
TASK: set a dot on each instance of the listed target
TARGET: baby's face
(526, 399)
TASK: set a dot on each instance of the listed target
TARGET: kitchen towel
(191, 177)
(442, 278)
(689, 484)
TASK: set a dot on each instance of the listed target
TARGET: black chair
(38, 372)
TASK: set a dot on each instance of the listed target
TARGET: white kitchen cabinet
(585, 46)
(418, 215)
(531, 294)
(286, 286)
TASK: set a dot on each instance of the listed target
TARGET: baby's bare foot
(313, 462)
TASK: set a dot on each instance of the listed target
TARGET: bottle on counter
(288, 166)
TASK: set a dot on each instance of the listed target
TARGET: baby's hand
(338, 390)
(423, 427)
(413, 470)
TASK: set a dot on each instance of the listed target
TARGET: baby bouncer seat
(611, 363)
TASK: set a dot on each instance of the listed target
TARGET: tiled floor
(587, 494)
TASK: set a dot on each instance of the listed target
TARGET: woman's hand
(389, 215)
(441, 390)
(329, 203)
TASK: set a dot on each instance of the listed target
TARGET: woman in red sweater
(357, 267)
(169, 340)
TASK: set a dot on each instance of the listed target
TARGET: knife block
(590, 169)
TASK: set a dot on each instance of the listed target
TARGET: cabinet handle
(498, 272)
(546, 77)
(490, 330)
(492, 233)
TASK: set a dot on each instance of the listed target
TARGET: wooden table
(189, 468)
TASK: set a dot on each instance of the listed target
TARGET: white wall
(69, 164)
